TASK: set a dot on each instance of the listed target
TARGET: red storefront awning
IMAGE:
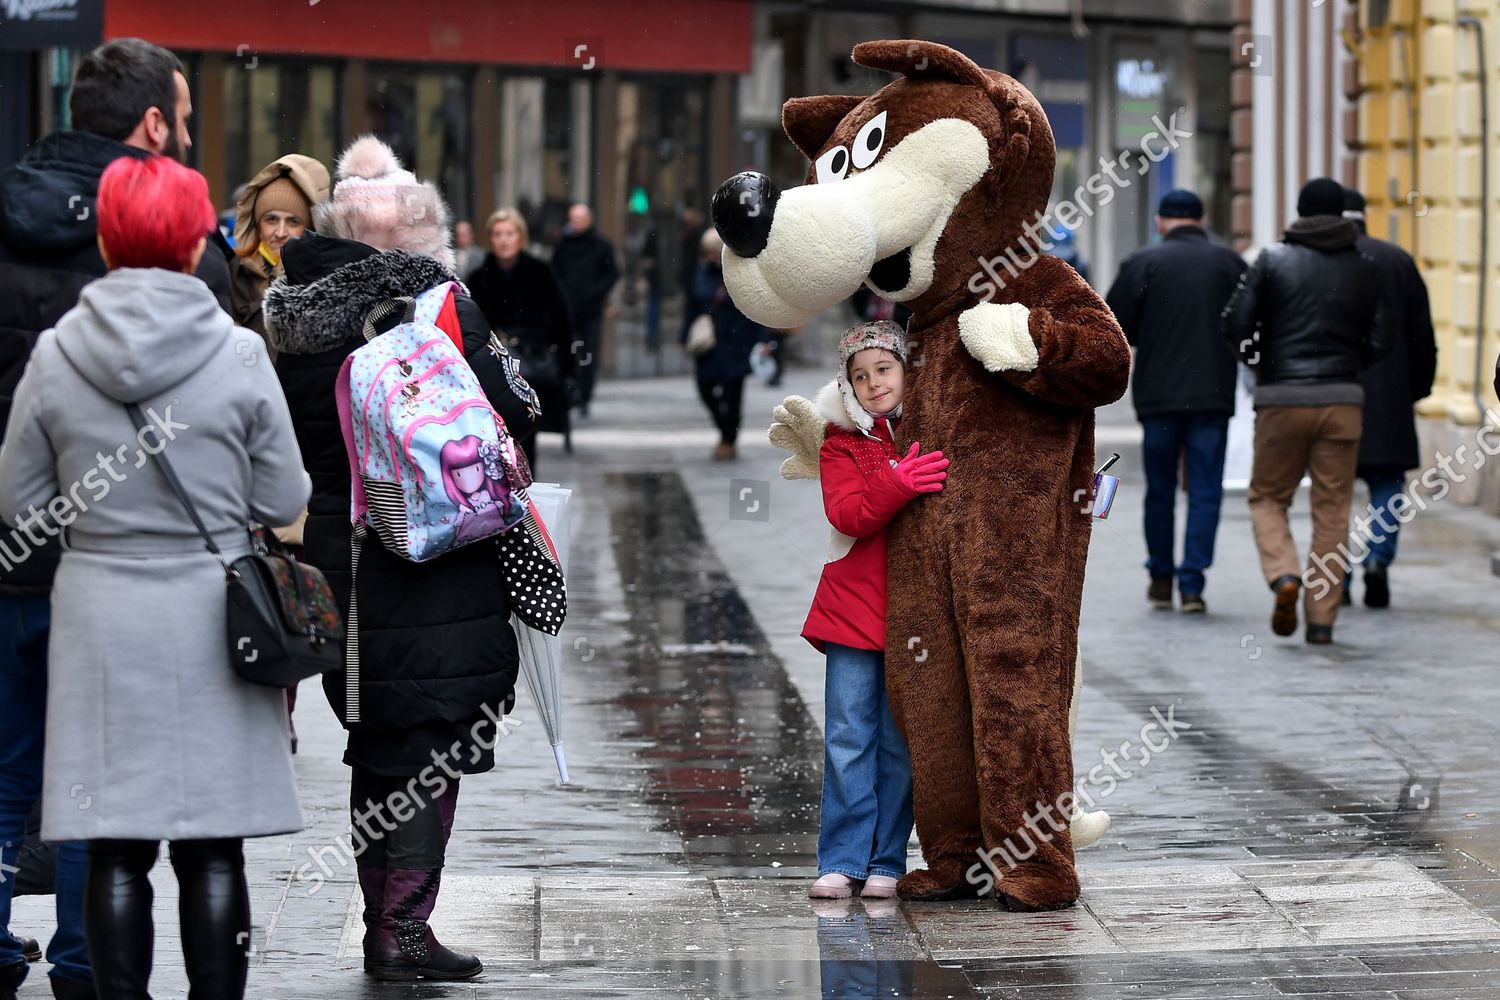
(704, 36)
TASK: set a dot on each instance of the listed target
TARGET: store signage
(1141, 84)
(39, 24)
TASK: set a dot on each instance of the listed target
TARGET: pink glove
(921, 473)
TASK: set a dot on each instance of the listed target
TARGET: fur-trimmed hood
(324, 313)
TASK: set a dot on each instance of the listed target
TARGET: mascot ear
(809, 121)
(1009, 159)
(918, 60)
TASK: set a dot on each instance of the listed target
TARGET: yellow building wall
(1421, 160)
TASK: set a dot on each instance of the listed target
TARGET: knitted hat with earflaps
(882, 334)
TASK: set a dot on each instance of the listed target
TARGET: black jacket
(435, 638)
(526, 306)
(1168, 299)
(734, 332)
(1395, 384)
(1310, 311)
(48, 252)
(585, 266)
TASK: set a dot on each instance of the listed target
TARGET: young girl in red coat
(867, 812)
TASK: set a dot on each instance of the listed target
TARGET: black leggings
(213, 910)
(724, 399)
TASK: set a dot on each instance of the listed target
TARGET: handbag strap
(159, 457)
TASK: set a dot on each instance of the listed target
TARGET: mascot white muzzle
(870, 218)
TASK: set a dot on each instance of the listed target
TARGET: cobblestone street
(1323, 823)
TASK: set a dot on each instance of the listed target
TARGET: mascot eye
(833, 165)
(867, 144)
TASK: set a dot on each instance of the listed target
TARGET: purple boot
(404, 946)
(372, 887)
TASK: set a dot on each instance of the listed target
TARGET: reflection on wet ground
(735, 758)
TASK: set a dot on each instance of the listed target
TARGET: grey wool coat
(150, 734)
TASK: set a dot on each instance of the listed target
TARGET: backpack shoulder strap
(404, 307)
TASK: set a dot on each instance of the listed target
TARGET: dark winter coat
(436, 644)
(734, 333)
(249, 277)
(586, 269)
(1394, 385)
(1309, 316)
(48, 229)
(525, 305)
(1168, 299)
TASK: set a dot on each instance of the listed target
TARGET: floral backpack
(432, 466)
(431, 463)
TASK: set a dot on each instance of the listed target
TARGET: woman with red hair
(150, 734)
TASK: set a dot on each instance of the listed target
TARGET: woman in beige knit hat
(275, 206)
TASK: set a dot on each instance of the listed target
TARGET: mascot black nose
(743, 208)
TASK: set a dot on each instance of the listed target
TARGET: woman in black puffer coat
(438, 656)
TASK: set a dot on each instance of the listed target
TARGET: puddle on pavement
(735, 759)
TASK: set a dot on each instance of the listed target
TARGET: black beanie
(1321, 196)
(1353, 200)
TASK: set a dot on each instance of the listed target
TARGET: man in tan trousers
(1308, 317)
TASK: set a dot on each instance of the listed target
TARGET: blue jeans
(866, 818)
(23, 721)
(1203, 436)
(1384, 485)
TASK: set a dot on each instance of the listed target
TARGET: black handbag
(283, 621)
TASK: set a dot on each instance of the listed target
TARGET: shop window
(661, 171)
(425, 118)
(277, 108)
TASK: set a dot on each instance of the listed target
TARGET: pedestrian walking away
(1309, 316)
(1168, 299)
(721, 360)
(586, 268)
(437, 654)
(866, 815)
(1393, 386)
(523, 302)
(129, 99)
(217, 767)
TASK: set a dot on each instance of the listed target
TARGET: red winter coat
(860, 496)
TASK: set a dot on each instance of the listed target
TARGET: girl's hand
(921, 473)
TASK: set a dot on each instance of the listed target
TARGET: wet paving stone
(1324, 829)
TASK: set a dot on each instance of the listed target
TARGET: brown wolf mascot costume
(910, 188)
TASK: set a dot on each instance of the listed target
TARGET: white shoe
(879, 887)
(832, 886)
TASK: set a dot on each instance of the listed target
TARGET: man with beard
(129, 98)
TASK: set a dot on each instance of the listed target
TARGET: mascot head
(908, 189)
